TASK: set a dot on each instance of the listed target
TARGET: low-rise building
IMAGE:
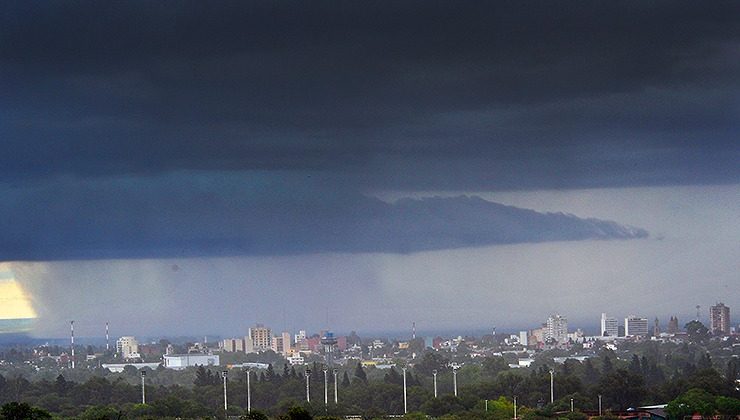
(182, 361)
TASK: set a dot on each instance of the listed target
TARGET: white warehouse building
(182, 361)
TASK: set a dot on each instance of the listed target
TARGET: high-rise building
(719, 319)
(128, 347)
(673, 325)
(557, 329)
(259, 339)
(635, 326)
(282, 344)
(656, 327)
(609, 326)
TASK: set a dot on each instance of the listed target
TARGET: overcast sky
(274, 135)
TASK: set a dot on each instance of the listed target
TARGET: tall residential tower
(719, 319)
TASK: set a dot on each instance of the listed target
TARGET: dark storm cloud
(226, 214)
(381, 95)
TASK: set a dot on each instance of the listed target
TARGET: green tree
(98, 412)
(360, 373)
(697, 332)
(201, 377)
(728, 406)
(430, 362)
(298, 413)
(345, 380)
(635, 365)
(493, 365)
(254, 415)
(22, 411)
(693, 401)
(622, 389)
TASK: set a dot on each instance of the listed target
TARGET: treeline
(373, 392)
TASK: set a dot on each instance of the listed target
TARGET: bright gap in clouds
(14, 302)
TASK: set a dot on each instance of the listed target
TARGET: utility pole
(552, 386)
(326, 387)
(249, 393)
(143, 391)
(225, 374)
(308, 389)
(434, 373)
(405, 407)
(336, 393)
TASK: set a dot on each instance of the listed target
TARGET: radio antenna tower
(72, 341)
(107, 338)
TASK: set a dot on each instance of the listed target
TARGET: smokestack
(413, 330)
(72, 340)
(107, 338)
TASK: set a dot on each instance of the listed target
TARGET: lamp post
(405, 408)
(571, 405)
(225, 374)
(143, 391)
(552, 386)
(336, 393)
(454, 379)
(514, 407)
(599, 405)
(308, 390)
(326, 387)
(434, 373)
(249, 391)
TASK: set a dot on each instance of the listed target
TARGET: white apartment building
(557, 329)
(635, 326)
(609, 326)
(128, 347)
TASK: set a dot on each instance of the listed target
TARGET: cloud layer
(382, 95)
(229, 215)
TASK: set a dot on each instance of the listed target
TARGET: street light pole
(326, 387)
(249, 393)
(405, 408)
(225, 374)
(434, 373)
(143, 391)
(308, 389)
(552, 386)
(336, 393)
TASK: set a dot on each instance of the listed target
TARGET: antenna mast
(72, 341)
